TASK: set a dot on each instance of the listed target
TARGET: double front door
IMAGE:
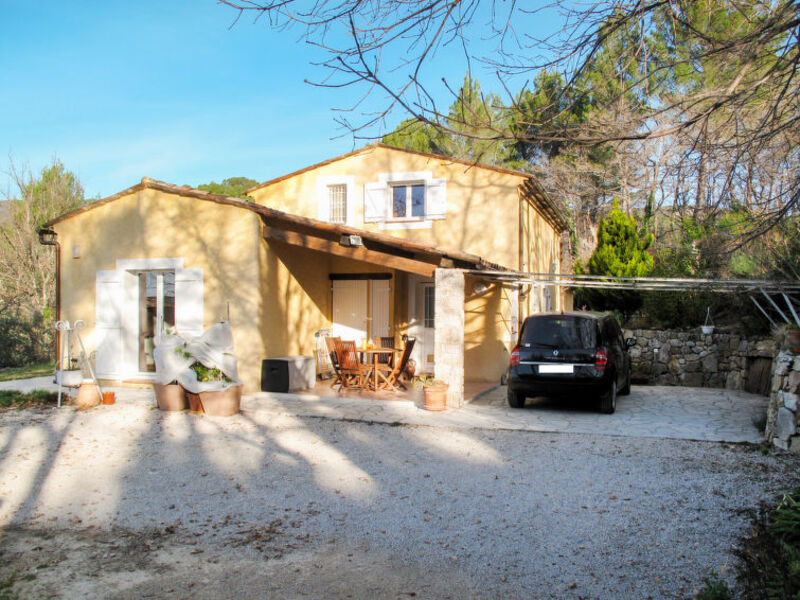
(361, 308)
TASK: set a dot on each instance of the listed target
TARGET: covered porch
(379, 286)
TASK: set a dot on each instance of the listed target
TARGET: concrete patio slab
(653, 412)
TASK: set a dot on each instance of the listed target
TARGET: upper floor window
(334, 196)
(408, 201)
(337, 197)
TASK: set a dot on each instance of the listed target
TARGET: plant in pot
(170, 396)
(71, 375)
(223, 402)
(793, 337)
(435, 392)
(170, 359)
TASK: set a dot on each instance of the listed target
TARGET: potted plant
(170, 396)
(793, 337)
(217, 403)
(707, 328)
(71, 375)
(435, 392)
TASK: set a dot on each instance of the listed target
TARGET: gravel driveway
(128, 502)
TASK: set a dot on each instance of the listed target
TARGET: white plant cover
(213, 349)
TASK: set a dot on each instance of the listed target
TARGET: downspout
(521, 237)
(48, 237)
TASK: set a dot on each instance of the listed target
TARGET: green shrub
(768, 557)
(714, 588)
(24, 341)
(621, 252)
(15, 399)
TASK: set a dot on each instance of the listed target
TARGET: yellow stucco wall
(541, 254)
(487, 331)
(280, 295)
(483, 218)
(221, 240)
(482, 204)
(297, 289)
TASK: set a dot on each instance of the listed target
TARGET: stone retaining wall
(782, 414)
(719, 360)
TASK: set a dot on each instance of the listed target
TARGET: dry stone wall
(782, 415)
(690, 358)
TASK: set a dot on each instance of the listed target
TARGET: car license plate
(555, 368)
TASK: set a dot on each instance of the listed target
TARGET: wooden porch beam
(357, 253)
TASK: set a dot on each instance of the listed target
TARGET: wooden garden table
(375, 353)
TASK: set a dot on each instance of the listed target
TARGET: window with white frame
(408, 201)
(337, 197)
(405, 200)
(334, 196)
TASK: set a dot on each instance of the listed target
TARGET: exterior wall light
(350, 241)
(480, 287)
(47, 237)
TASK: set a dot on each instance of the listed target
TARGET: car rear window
(561, 332)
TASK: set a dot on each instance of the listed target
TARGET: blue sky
(122, 90)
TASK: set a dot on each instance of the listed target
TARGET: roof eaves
(374, 145)
(280, 216)
(310, 168)
(534, 192)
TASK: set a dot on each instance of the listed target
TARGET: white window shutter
(374, 202)
(436, 199)
(323, 201)
(350, 203)
(189, 301)
(381, 299)
(108, 324)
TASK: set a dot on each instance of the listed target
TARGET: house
(377, 242)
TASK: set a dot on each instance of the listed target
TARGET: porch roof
(377, 248)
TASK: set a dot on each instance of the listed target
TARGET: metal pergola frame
(786, 289)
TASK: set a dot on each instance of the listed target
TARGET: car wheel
(608, 401)
(515, 400)
(626, 389)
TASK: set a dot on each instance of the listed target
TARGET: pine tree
(621, 252)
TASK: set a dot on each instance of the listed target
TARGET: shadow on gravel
(140, 503)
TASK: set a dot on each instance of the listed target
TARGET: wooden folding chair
(390, 376)
(353, 372)
(388, 358)
(330, 342)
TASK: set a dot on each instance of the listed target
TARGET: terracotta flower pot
(224, 403)
(88, 396)
(169, 397)
(195, 405)
(793, 335)
(435, 396)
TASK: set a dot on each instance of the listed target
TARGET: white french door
(350, 309)
(361, 308)
(156, 312)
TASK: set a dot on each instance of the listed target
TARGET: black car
(570, 354)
